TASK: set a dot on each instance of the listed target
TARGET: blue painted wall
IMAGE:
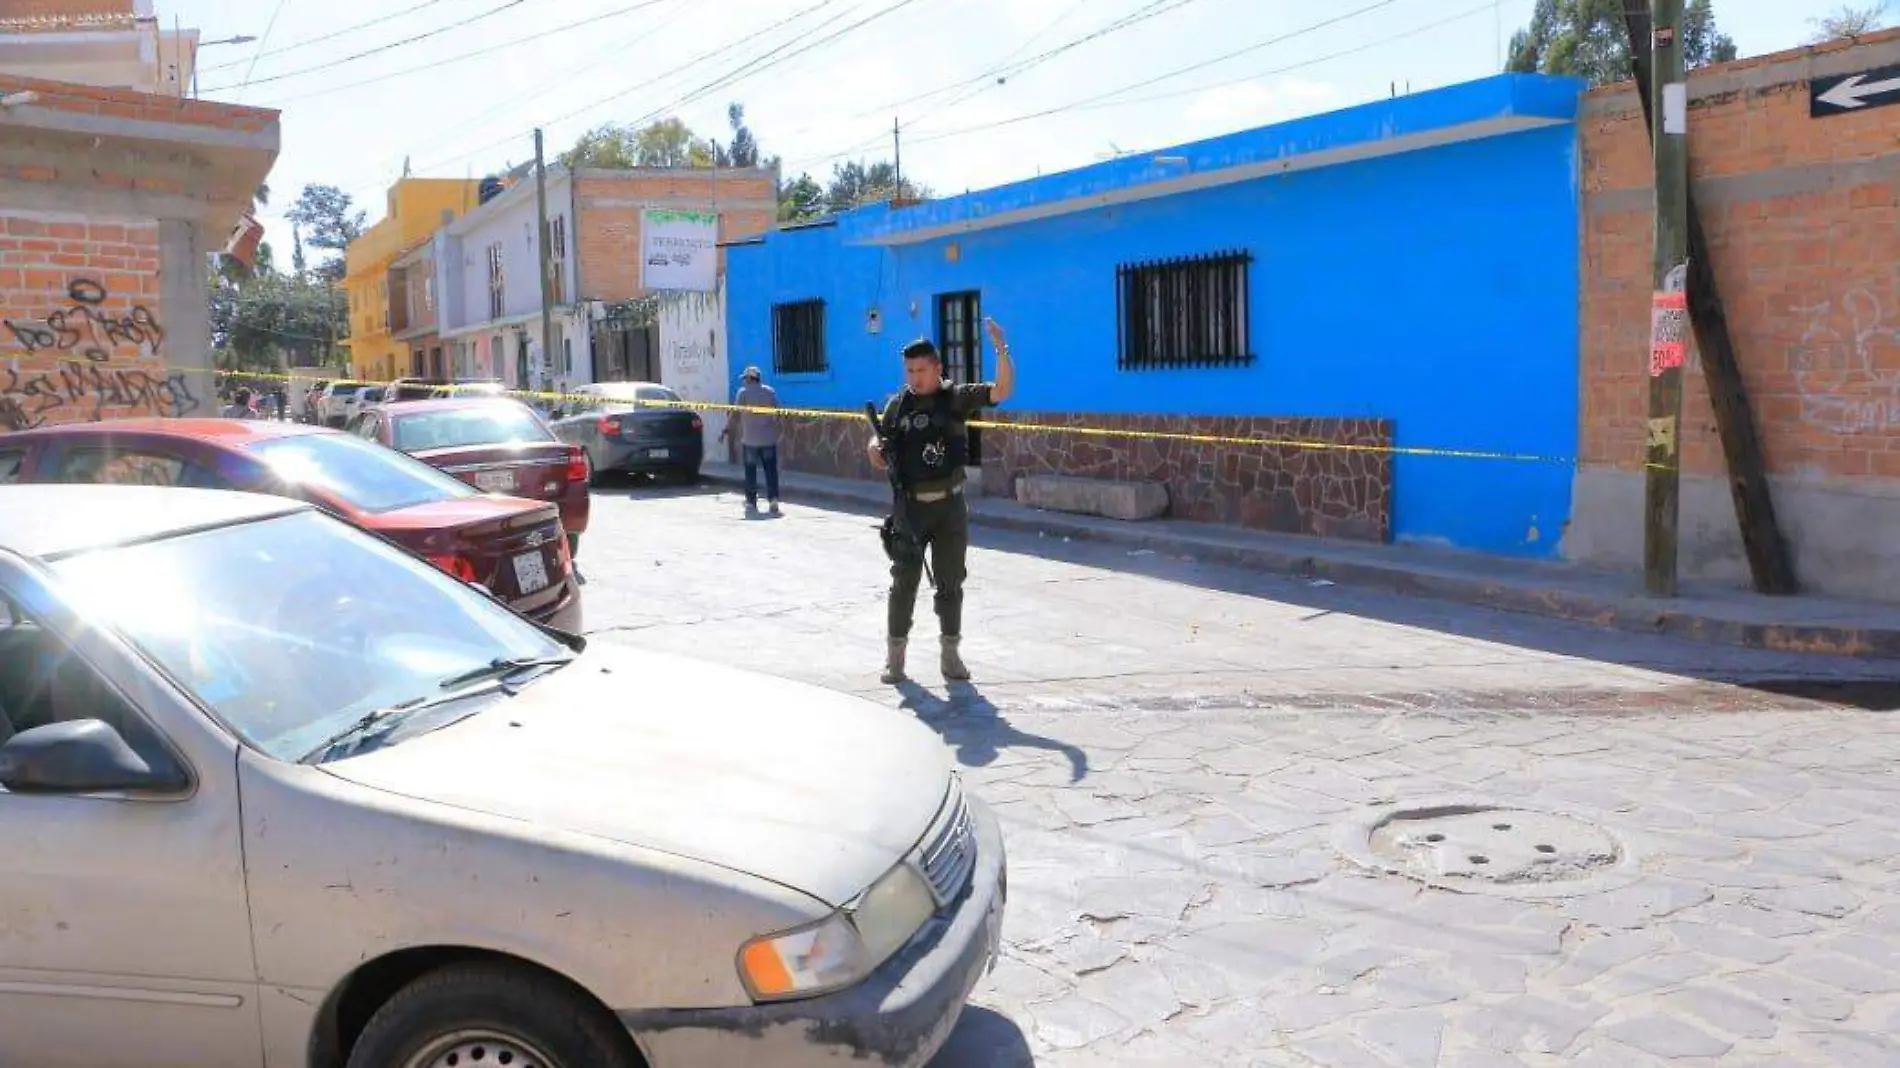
(1436, 287)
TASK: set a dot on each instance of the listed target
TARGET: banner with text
(679, 251)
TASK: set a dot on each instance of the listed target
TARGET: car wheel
(487, 1014)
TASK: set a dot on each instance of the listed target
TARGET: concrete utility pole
(897, 157)
(547, 254)
(1669, 313)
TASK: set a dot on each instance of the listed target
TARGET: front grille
(950, 856)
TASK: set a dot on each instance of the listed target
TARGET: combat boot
(953, 667)
(894, 661)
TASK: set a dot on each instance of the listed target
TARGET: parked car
(495, 444)
(339, 402)
(628, 427)
(513, 547)
(368, 398)
(315, 803)
(410, 389)
(474, 387)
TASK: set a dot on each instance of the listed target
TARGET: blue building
(1256, 317)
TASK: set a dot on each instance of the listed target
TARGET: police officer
(927, 423)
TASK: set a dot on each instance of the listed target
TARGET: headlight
(842, 948)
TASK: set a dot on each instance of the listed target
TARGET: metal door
(960, 341)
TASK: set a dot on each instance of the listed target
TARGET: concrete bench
(1093, 496)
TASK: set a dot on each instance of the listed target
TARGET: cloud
(1250, 104)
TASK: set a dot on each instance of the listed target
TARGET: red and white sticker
(1668, 331)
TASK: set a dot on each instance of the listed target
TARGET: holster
(900, 547)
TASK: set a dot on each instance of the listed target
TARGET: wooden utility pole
(546, 253)
(1669, 314)
(1769, 559)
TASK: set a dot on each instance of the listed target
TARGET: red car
(495, 444)
(514, 548)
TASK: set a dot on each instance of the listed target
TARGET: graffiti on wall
(1847, 366)
(84, 329)
(80, 340)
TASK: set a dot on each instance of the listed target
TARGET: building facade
(111, 202)
(488, 270)
(1803, 217)
(1382, 276)
(112, 44)
(416, 209)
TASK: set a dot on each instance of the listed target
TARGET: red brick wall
(1804, 232)
(81, 335)
(607, 231)
(131, 104)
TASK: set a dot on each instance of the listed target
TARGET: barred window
(798, 337)
(1190, 312)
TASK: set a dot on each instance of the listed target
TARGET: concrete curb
(1603, 610)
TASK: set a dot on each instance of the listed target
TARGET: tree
(1589, 39)
(664, 143)
(1849, 21)
(272, 320)
(800, 199)
(854, 184)
(744, 149)
(324, 217)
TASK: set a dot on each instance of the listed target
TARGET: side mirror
(82, 756)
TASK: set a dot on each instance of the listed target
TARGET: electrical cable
(515, 43)
(262, 40)
(332, 35)
(379, 49)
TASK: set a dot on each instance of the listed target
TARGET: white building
(115, 44)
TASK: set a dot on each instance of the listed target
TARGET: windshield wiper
(386, 719)
(503, 666)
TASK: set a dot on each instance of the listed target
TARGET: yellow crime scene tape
(1239, 441)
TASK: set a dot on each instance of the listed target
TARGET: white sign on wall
(679, 250)
(693, 359)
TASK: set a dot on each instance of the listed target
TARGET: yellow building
(418, 207)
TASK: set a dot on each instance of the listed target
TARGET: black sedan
(632, 428)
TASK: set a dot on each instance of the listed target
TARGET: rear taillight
(567, 558)
(576, 464)
(698, 424)
(460, 566)
(610, 426)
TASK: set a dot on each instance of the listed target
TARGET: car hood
(808, 788)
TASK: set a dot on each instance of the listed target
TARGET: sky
(986, 91)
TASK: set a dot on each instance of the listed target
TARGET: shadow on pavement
(984, 1038)
(967, 720)
(1823, 680)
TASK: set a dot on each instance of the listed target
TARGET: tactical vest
(933, 442)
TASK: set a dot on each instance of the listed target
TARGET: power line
(379, 49)
(564, 78)
(514, 43)
(326, 37)
(1104, 99)
(757, 64)
(696, 60)
(262, 40)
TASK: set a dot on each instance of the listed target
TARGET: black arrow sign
(1876, 88)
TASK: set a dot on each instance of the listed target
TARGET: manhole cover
(1476, 847)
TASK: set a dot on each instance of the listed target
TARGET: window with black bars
(1189, 312)
(798, 337)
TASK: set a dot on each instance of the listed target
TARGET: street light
(238, 40)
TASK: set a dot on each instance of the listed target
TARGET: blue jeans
(754, 456)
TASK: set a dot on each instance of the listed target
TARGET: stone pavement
(1703, 611)
(1189, 761)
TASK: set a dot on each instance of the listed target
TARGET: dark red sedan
(495, 444)
(514, 548)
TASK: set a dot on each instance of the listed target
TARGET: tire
(545, 1023)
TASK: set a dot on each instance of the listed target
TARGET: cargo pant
(944, 526)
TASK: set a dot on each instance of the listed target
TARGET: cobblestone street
(1188, 762)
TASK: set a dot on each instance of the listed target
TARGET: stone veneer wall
(1319, 491)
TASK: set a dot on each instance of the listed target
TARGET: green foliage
(1589, 39)
(325, 217)
(269, 320)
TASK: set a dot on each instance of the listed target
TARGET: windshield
(292, 628)
(455, 428)
(343, 391)
(363, 475)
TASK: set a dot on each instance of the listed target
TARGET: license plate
(531, 573)
(659, 454)
(494, 481)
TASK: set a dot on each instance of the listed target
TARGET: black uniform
(932, 446)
